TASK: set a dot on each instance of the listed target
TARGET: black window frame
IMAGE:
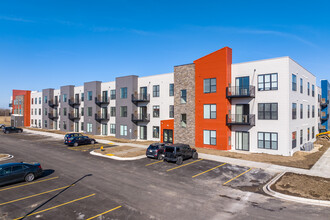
(112, 94)
(301, 111)
(294, 139)
(270, 82)
(294, 82)
(123, 111)
(155, 90)
(301, 85)
(171, 89)
(263, 141)
(214, 116)
(155, 111)
(123, 93)
(183, 96)
(294, 111)
(112, 111)
(155, 131)
(210, 85)
(171, 111)
(301, 136)
(262, 111)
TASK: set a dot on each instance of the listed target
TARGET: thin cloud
(17, 19)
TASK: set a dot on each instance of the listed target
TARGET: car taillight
(39, 167)
(69, 141)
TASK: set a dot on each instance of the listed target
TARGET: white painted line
(117, 158)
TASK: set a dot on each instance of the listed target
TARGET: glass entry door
(168, 136)
(76, 126)
(242, 140)
(143, 132)
(104, 129)
(242, 85)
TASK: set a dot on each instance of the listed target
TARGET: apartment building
(266, 106)
(325, 95)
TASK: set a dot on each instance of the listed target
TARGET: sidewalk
(321, 168)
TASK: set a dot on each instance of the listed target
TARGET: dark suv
(156, 150)
(8, 130)
(179, 152)
(69, 137)
(79, 140)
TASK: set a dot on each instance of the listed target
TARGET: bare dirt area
(300, 159)
(89, 147)
(305, 186)
(5, 120)
(122, 151)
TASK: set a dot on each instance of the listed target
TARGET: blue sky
(46, 44)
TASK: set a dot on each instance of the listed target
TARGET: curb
(117, 158)
(7, 158)
(271, 192)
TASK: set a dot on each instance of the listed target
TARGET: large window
(112, 128)
(89, 127)
(64, 111)
(294, 110)
(39, 100)
(210, 111)
(89, 111)
(308, 88)
(82, 128)
(183, 96)
(155, 111)
(123, 93)
(267, 82)
(112, 111)
(171, 111)
(82, 97)
(209, 137)
(313, 90)
(294, 139)
(171, 89)
(112, 94)
(210, 85)
(155, 91)
(313, 132)
(267, 140)
(313, 111)
(36, 101)
(267, 111)
(123, 111)
(45, 123)
(82, 111)
(89, 95)
(65, 98)
(155, 131)
(183, 120)
(301, 85)
(308, 131)
(46, 99)
(301, 111)
(294, 82)
(123, 130)
(301, 137)
(308, 111)
(45, 111)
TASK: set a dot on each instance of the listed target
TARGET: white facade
(36, 109)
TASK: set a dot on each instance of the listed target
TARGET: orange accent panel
(166, 124)
(27, 105)
(215, 65)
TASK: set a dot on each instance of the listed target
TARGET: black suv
(156, 150)
(75, 141)
(8, 130)
(69, 137)
(179, 152)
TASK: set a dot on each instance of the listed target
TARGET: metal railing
(73, 102)
(100, 117)
(74, 116)
(143, 97)
(240, 92)
(140, 118)
(101, 101)
(324, 102)
(52, 116)
(239, 119)
(52, 103)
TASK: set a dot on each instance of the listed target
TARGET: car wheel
(179, 161)
(160, 157)
(92, 142)
(7, 132)
(29, 177)
(195, 156)
(75, 144)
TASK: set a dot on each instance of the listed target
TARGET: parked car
(79, 140)
(8, 130)
(15, 172)
(71, 136)
(156, 150)
(179, 152)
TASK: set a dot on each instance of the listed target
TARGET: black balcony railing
(101, 101)
(52, 116)
(321, 127)
(324, 116)
(238, 119)
(140, 118)
(73, 102)
(101, 117)
(240, 92)
(53, 103)
(74, 116)
(324, 102)
(140, 97)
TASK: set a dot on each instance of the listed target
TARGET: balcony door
(104, 129)
(105, 96)
(143, 93)
(242, 85)
(143, 111)
(242, 113)
(143, 132)
(242, 140)
(104, 112)
(76, 99)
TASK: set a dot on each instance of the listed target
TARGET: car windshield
(153, 147)
(169, 149)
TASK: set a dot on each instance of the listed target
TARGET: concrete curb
(117, 158)
(6, 158)
(271, 192)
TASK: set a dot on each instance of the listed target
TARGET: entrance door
(76, 126)
(242, 140)
(104, 129)
(143, 93)
(242, 85)
(143, 132)
(168, 136)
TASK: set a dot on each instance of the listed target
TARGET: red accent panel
(215, 65)
(27, 105)
(166, 124)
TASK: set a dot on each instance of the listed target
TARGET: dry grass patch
(300, 159)
(3, 155)
(311, 187)
(123, 151)
(5, 120)
(88, 147)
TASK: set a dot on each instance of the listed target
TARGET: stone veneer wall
(184, 78)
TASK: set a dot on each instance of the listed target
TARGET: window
(32, 101)
(183, 96)
(294, 82)
(45, 111)
(210, 111)
(171, 89)
(89, 111)
(294, 139)
(294, 110)
(45, 99)
(39, 123)
(64, 125)
(64, 111)
(112, 128)
(155, 111)
(123, 130)
(123, 93)
(82, 126)
(171, 111)
(313, 90)
(82, 97)
(267, 82)
(35, 111)
(313, 111)
(155, 91)
(301, 111)
(112, 94)
(39, 111)
(155, 131)
(267, 140)
(35, 101)
(89, 127)
(313, 133)
(210, 85)
(308, 110)
(39, 100)
(112, 111)
(267, 111)
(45, 123)
(301, 85)
(123, 111)
(301, 137)
(183, 120)
(209, 137)
(82, 111)
(307, 134)
(90, 95)
(65, 98)
(31, 111)
(308, 88)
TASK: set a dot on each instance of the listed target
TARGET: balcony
(140, 118)
(74, 116)
(53, 104)
(101, 101)
(52, 116)
(101, 117)
(240, 119)
(324, 102)
(324, 116)
(240, 92)
(322, 127)
(74, 102)
(140, 98)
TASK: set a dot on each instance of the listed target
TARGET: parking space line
(208, 170)
(237, 176)
(104, 213)
(154, 163)
(13, 187)
(44, 210)
(183, 165)
(27, 197)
